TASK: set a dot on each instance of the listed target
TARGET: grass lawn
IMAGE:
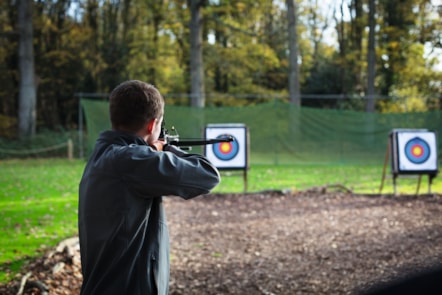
(360, 179)
(39, 197)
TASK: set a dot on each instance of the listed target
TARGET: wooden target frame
(412, 151)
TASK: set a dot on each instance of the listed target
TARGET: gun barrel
(201, 141)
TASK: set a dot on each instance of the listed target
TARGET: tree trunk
(371, 57)
(27, 91)
(196, 56)
(294, 91)
(356, 35)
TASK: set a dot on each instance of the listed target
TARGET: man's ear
(151, 125)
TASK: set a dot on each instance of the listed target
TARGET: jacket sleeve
(173, 172)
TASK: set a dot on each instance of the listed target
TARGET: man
(124, 240)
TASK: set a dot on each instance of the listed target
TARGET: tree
(371, 57)
(396, 31)
(343, 44)
(114, 48)
(355, 55)
(239, 58)
(93, 45)
(56, 44)
(293, 75)
(27, 89)
(8, 65)
(317, 25)
(197, 91)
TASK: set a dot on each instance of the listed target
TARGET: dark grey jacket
(124, 240)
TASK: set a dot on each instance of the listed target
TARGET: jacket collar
(120, 138)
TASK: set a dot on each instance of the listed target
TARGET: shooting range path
(274, 243)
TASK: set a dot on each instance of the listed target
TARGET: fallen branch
(326, 188)
(26, 283)
(40, 286)
(23, 283)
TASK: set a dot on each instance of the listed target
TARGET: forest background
(364, 55)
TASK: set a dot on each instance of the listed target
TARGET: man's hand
(158, 145)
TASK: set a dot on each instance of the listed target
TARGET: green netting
(97, 120)
(284, 134)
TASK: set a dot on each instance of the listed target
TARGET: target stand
(232, 155)
(413, 151)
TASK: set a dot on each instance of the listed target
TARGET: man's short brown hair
(133, 104)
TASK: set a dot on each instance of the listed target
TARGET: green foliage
(8, 126)
(414, 91)
(399, 34)
(92, 46)
(323, 77)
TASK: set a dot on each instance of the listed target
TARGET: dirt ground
(312, 242)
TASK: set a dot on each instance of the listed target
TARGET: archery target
(416, 151)
(226, 151)
(227, 155)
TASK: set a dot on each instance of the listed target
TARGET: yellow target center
(225, 147)
(417, 151)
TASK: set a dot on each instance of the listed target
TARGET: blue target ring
(225, 151)
(417, 150)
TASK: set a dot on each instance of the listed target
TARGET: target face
(227, 155)
(417, 151)
(226, 151)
